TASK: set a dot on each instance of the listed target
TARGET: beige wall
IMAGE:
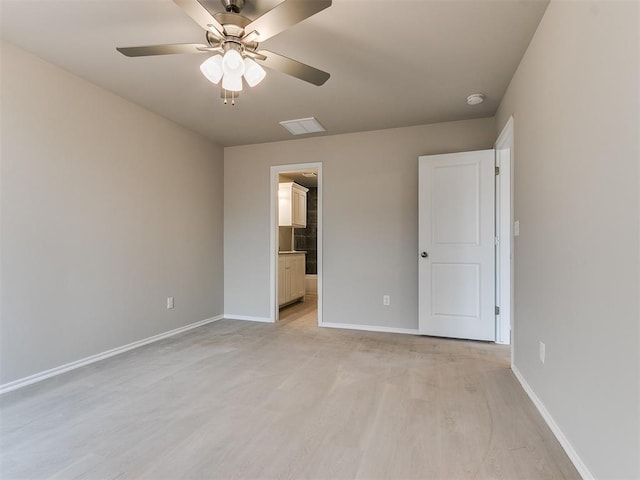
(370, 218)
(106, 210)
(575, 103)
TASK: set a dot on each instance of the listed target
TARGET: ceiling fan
(234, 40)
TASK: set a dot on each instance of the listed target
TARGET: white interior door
(457, 245)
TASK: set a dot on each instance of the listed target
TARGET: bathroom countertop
(288, 252)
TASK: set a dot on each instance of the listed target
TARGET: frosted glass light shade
(233, 83)
(253, 73)
(211, 68)
(232, 64)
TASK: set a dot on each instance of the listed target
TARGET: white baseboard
(311, 284)
(566, 445)
(370, 328)
(23, 382)
(230, 316)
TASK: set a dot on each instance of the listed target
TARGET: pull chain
(233, 97)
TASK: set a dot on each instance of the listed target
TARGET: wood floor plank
(242, 400)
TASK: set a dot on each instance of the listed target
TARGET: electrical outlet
(543, 352)
(169, 302)
(516, 228)
(386, 300)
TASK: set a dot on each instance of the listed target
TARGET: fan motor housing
(233, 23)
(234, 6)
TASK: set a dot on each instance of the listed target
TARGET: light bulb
(253, 73)
(232, 63)
(233, 83)
(212, 68)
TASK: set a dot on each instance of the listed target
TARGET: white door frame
(504, 232)
(276, 170)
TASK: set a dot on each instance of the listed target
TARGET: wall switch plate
(386, 300)
(169, 302)
(516, 228)
(543, 352)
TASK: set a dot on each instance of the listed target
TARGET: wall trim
(505, 159)
(249, 318)
(564, 442)
(371, 328)
(38, 377)
(506, 134)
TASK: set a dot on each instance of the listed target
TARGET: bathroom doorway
(296, 242)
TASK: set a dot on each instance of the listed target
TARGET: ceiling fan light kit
(232, 63)
(234, 40)
(211, 68)
(253, 73)
(232, 83)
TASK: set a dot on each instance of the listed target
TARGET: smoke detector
(475, 99)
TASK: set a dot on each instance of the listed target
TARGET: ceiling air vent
(303, 126)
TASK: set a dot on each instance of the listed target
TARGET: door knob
(424, 254)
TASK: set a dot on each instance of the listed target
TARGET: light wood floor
(237, 399)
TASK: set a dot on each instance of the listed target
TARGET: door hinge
(496, 241)
(497, 170)
(497, 310)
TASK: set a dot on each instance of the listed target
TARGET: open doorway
(296, 233)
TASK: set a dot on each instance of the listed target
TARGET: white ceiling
(300, 178)
(393, 63)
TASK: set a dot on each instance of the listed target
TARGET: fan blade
(294, 68)
(255, 55)
(201, 16)
(163, 49)
(283, 16)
